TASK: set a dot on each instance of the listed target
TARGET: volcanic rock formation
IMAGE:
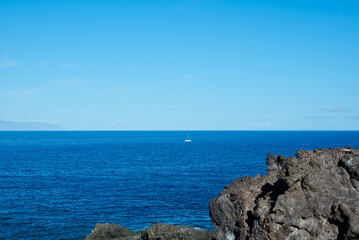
(313, 196)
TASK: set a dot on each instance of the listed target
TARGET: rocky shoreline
(314, 195)
(157, 231)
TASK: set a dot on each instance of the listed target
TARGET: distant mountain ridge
(27, 126)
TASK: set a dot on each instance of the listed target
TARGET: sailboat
(187, 139)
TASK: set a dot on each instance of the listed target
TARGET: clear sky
(177, 65)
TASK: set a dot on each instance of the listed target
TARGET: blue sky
(160, 65)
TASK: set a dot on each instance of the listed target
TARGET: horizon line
(193, 130)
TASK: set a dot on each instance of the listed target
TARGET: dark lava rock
(157, 231)
(108, 231)
(165, 231)
(313, 196)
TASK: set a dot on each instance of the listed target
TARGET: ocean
(58, 185)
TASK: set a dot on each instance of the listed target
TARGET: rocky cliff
(312, 196)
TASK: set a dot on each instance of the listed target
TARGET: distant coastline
(28, 126)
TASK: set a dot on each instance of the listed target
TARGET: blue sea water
(58, 185)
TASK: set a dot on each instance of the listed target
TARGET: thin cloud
(19, 92)
(352, 117)
(68, 65)
(335, 110)
(193, 76)
(327, 118)
(119, 122)
(126, 89)
(124, 122)
(171, 106)
(22, 91)
(203, 119)
(261, 124)
(9, 63)
(68, 82)
(320, 117)
(43, 64)
(255, 123)
(55, 64)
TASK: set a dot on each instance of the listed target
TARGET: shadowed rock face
(313, 196)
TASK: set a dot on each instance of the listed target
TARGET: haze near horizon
(178, 65)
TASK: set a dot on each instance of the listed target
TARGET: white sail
(187, 139)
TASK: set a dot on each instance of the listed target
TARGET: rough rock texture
(313, 196)
(166, 231)
(157, 231)
(108, 231)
